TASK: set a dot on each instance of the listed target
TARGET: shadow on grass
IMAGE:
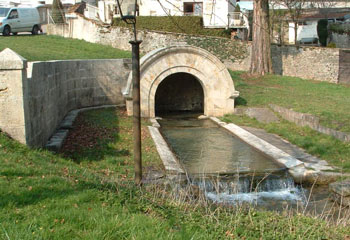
(240, 101)
(56, 187)
(34, 196)
(95, 137)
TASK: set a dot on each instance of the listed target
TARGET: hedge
(192, 25)
(322, 31)
(340, 28)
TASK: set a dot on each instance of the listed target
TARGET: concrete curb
(169, 160)
(305, 119)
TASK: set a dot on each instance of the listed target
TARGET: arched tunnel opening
(179, 93)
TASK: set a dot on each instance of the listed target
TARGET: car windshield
(3, 12)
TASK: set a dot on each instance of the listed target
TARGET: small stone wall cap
(341, 188)
(10, 60)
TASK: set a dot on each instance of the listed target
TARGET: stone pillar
(13, 76)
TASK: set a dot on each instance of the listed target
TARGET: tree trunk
(57, 12)
(261, 62)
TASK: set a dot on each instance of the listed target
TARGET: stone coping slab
(10, 60)
(282, 157)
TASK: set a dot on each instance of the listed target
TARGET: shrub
(322, 31)
(331, 45)
(237, 8)
(340, 28)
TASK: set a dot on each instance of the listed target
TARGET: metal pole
(136, 109)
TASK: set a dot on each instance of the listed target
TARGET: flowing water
(227, 169)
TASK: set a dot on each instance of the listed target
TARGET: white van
(15, 20)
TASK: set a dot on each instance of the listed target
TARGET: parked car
(15, 20)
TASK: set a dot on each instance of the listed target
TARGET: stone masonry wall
(306, 62)
(235, 54)
(52, 89)
(341, 40)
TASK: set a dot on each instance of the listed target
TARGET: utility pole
(135, 44)
(136, 108)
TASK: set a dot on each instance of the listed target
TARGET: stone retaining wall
(306, 62)
(39, 94)
(118, 37)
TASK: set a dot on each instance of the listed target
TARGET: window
(3, 12)
(13, 14)
(302, 23)
(191, 8)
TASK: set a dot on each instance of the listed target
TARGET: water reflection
(203, 147)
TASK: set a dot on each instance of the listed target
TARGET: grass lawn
(86, 192)
(330, 102)
(44, 48)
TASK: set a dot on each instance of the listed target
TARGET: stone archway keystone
(217, 84)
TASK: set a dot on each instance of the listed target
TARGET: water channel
(227, 169)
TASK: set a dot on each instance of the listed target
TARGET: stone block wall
(306, 62)
(90, 31)
(47, 91)
(341, 40)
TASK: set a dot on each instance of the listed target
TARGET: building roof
(331, 15)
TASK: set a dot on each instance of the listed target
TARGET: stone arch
(217, 84)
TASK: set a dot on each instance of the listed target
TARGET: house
(311, 12)
(308, 21)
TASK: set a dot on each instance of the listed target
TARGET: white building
(15, 3)
(307, 24)
(34, 3)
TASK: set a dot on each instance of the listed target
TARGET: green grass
(336, 152)
(44, 48)
(49, 196)
(330, 102)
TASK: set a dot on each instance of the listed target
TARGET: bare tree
(261, 62)
(277, 23)
(295, 10)
(57, 12)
